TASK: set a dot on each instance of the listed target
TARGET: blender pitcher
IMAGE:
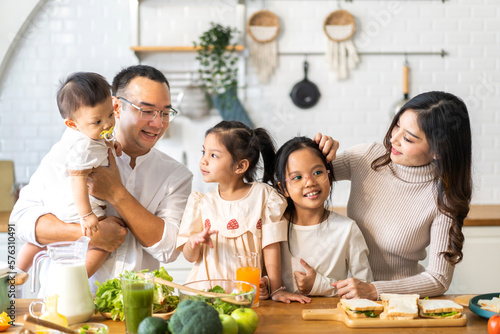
(67, 278)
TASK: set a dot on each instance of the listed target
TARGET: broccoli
(195, 317)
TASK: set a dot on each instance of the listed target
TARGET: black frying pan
(305, 94)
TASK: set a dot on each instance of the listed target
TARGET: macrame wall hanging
(263, 28)
(341, 53)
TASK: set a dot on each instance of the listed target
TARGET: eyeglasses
(299, 181)
(150, 114)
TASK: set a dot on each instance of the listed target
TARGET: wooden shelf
(174, 48)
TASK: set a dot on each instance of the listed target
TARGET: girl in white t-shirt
(322, 246)
(239, 215)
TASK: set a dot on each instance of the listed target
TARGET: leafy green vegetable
(109, 297)
(443, 315)
(221, 306)
(369, 314)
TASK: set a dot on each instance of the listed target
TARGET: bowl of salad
(109, 299)
(224, 295)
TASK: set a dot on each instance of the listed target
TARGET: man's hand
(111, 234)
(104, 182)
(327, 145)
(354, 288)
(305, 280)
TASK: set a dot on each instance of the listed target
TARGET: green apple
(247, 320)
(229, 325)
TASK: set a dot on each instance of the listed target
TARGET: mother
(411, 192)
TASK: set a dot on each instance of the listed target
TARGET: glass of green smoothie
(137, 300)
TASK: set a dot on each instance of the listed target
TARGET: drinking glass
(137, 300)
(248, 270)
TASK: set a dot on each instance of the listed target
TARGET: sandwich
(399, 307)
(492, 305)
(361, 308)
(439, 309)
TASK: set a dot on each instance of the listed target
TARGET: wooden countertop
(479, 215)
(287, 318)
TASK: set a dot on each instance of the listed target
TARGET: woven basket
(339, 25)
(264, 19)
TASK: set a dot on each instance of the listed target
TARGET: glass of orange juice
(248, 270)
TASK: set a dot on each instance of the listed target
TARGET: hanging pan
(305, 94)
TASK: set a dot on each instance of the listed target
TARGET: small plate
(165, 316)
(476, 308)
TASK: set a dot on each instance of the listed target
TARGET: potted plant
(219, 71)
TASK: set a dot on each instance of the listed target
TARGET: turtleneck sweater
(395, 209)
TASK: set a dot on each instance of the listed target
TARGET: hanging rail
(441, 53)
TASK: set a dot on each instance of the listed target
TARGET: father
(146, 188)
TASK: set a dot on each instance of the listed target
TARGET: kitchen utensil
(476, 308)
(406, 97)
(305, 94)
(67, 278)
(263, 28)
(48, 324)
(193, 101)
(341, 54)
(338, 314)
(225, 297)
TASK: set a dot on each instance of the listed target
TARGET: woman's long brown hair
(444, 119)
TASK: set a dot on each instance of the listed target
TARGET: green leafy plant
(218, 59)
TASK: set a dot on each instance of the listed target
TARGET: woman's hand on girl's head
(354, 288)
(327, 145)
(202, 238)
(305, 280)
(288, 297)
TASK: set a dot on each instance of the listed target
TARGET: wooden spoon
(48, 324)
(223, 296)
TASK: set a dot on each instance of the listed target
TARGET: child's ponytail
(268, 152)
(245, 143)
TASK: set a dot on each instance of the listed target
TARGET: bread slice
(361, 308)
(399, 307)
(492, 305)
(439, 309)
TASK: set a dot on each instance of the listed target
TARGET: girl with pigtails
(240, 215)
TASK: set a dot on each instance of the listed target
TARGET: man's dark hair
(123, 78)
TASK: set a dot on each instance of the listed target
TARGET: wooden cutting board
(338, 314)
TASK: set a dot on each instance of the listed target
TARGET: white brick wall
(70, 36)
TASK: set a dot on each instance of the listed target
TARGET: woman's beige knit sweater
(395, 208)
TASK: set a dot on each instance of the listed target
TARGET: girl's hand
(202, 238)
(327, 145)
(90, 224)
(305, 280)
(264, 288)
(354, 288)
(287, 297)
